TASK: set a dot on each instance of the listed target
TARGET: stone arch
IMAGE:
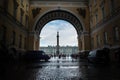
(58, 14)
(62, 14)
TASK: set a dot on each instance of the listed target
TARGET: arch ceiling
(60, 3)
(59, 14)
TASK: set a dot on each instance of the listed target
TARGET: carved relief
(82, 12)
(35, 12)
(59, 15)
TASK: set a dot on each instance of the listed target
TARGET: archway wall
(37, 13)
(81, 13)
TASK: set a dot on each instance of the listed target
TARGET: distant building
(62, 50)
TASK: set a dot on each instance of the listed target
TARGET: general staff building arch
(76, 14)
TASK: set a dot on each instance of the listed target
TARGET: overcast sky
(67, 34)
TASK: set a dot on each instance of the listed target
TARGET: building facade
(14, 19)
(96, 22)
(67, 50)
(104, 23)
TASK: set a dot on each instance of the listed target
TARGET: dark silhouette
(117, 53)
(106, 52)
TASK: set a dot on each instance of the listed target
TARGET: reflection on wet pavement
(59, 69)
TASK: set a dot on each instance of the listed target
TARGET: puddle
(69, 67)
(62, 67)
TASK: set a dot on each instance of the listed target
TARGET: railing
(114, 13)
(3, 12)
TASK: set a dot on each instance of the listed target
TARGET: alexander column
(57, 51)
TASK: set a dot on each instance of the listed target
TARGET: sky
(67, 34)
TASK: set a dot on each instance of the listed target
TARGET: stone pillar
(84, 41)
(33, 41)
(79, 43)
(37, 44)
(30, 44)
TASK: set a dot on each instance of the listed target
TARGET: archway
(64, 15)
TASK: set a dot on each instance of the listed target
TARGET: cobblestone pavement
(61, 69)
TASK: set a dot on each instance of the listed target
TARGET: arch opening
(67, 38)
(59, 15)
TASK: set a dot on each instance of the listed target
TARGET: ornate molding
(82, 12)
(62, 3)
(59, 14)
(35, 12)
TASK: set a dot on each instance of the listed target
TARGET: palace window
(15, 12)
(13, 37)
(90, 9)
(96, 17)
(105, 38)
(25, 43)
(15, 8)
(91, 24)
(3, 34)
(103, 12)
(98, 40)
(26, 21)
(91, 21)
(20, 41)
(112, 5)
(27, 7)
(102, 5)
(92, 42)
(5, 4)
(21, 17)
(116, 33)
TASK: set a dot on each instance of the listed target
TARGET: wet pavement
(60, 69)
